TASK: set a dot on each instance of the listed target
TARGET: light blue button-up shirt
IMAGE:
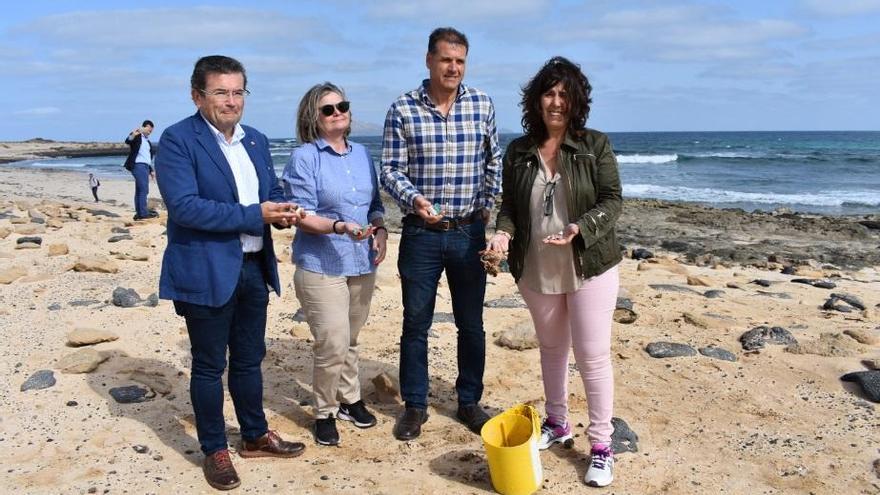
(340, 187)
(144, 154)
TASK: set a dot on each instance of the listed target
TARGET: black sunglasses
(342, 106)
(549, 189)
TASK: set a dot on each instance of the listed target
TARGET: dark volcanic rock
(714, 293)
(505, 302)
(871, 224)
(54, 307)
(669, 349)
(849, 299)
(120, 230)
(822, 284)
(761, 282)
(121, 237)
(623, 312)
(641, 254)
(623, 439)
(869, 381)
(758, 337)
(718, 353)
(673, 288)
(126, 298)
(131, 394)
(39, 380)
(102, 213)
(34, 239)
(788, 270)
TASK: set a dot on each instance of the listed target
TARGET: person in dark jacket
(560, 202)
(220, 188)
(140, 163)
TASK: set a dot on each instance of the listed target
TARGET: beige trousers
(336, 307)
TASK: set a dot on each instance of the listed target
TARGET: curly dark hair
(577, 88)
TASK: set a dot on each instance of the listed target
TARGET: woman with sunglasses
(560, 202)
(337, 249)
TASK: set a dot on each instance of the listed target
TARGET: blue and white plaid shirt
(451, 160)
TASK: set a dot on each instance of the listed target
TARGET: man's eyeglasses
(223, 94)
(548, 198)
(328, 110)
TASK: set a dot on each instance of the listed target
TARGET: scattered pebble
(39, 380)
(669, 349)
(718, 353)
(758, 337)
(868, 380)
(131, 394)
(623, 439)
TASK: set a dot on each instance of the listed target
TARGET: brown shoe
(219, 471)
(271, 445)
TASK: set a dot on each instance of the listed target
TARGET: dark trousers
(95, 193)
(424, 255)
(239, 326)
(141, 172)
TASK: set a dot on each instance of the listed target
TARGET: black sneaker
(325, 431)
(356, 413)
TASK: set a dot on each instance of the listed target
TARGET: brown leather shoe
(271, 445)
(219, 471)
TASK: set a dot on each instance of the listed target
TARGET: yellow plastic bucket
(511, 443)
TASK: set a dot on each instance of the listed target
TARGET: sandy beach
(777, 420)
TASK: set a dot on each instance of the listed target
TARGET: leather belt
(444, 225)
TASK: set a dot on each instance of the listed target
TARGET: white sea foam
(709, 195)
(646, 158)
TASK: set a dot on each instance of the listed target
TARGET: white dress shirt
(245, 174)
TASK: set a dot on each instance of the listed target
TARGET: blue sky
(93, 70)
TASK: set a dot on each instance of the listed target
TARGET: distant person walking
(94, 183)
(140, 164)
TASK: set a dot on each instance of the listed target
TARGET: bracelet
(333, 228)
(380, 227)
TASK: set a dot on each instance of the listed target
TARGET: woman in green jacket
(560, 202)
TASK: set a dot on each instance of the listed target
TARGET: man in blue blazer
(220, 188)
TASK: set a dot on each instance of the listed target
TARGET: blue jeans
(141, 173)
(240, 326)
(424, 255)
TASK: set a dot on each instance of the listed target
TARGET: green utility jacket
(589, 170)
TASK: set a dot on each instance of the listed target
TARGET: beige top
(549, 269)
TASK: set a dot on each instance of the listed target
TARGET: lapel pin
(253, 143)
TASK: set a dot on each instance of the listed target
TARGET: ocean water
(816, 172)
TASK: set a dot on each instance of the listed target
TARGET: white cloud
(196, 27)
(683, 34)
(454, 9)
(842, 8)
(37, 112)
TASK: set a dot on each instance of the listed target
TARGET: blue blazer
(203, 260)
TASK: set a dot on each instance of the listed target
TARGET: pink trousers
(581, 319)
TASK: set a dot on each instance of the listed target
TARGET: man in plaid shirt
(442, 163)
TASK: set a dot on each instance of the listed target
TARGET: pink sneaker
(554, 433)
(601, 471)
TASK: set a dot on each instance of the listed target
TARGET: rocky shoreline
(14, 151)
(705, 235)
